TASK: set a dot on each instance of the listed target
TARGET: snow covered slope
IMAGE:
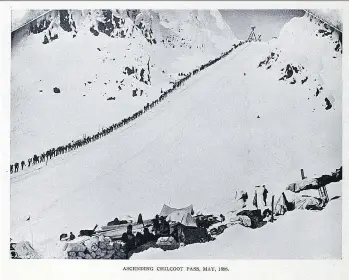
(105, 63)
(233, 126)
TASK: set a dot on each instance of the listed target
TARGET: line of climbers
(51, 153)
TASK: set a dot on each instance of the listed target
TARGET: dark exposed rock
(64, 20)
(328, 104)
(142, 76)
(94, 31)
(273, 57)
(129, 71)
(56, 90)
(304, 80)
(118, 21)
(290, 71)
(106, 26)
(318, 90)
(338, 47)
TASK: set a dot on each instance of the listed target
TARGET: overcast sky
(268, 22)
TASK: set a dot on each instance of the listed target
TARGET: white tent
(167, 210)
(183, 217)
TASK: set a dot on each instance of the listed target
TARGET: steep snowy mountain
(88, 68)
(297, 58)
(255, 117)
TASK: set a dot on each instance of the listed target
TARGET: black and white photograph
(176, 134)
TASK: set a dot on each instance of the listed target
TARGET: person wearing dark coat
(22, 164)
(139, 239)
(71, 236)
(156, 225)
(164, 227)
(140, 219)
(244, 197)
(16, 167)
(265, 195)
(148, 236)
(129, 238)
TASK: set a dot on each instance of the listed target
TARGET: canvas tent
(167, 210)
(24, 250)
(183, 225)
(283, 204)
(183, 217)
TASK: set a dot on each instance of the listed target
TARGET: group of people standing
(53, 152)
(264, 195)
(160, 228)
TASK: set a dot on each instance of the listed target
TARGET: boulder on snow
(56, 90)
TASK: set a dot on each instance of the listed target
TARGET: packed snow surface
(231, 127)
